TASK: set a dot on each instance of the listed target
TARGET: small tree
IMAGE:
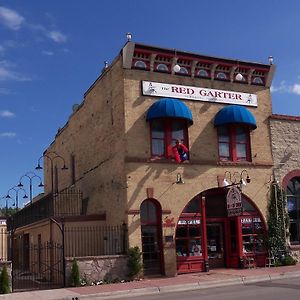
(134, 262)
(277, 221)
(4, 281)
(75, 276)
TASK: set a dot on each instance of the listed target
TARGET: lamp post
(16, 190)
(51, 156)
(30, 176)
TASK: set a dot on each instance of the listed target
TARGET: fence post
(124, 227)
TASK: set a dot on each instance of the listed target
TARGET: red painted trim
(169, 224)
(289, 176)
(232, 143)
(133, 212)
(285, 117)
(139, 48)
(204, 233)
(100, 217)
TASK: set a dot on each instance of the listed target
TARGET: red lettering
(175, 89)
(238, 97)
(182, 90)
(202, 92)
(219, 94)
(190, 91)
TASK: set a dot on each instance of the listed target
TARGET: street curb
(241, 280)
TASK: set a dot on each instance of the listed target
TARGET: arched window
(183, 71)
(202, 73)
(162, 68)
(293, 205)
(257, 80)
(221, 75)
(234, 143)
(151, 232)
(140, 64)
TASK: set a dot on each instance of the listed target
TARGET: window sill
(295, 247)
(196, 162)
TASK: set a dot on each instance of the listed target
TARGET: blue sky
(52, 51)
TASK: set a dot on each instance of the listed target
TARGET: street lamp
(236, 178)
(30, 176)
(17, 190)
(51, 156)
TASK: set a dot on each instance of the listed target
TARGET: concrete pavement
(214, 278)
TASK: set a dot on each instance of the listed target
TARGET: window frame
(232, 130)
(293, 194)
(167, 139)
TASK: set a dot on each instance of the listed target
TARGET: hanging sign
(158, 89)
(234, 202)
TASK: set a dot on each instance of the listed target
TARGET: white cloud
(57, 36)
(6, 114)
(49, 53)
(8, 134)
(283, 87)
(296, 88)
(7, 73)
(10, 18)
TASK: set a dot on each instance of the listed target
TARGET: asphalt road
(269, 290)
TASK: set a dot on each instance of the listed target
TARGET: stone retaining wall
(98, 269)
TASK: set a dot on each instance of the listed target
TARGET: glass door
(215, 245)
(151, 250)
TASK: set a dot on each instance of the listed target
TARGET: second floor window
(164, 133)
(234, 143)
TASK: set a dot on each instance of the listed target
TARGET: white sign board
(158, 89)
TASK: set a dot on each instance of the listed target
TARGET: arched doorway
(151, 233)
(219, 240)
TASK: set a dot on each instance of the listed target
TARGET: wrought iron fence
(95, 240)
(65, 203)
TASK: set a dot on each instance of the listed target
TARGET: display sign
(234, 202)
(191, 222)
(158, 89)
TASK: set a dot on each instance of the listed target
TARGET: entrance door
(151, 251)
(151, 237)
(215, 245)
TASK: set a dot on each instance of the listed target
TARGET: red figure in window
(180, 152)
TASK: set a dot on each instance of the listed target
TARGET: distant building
(3, 239)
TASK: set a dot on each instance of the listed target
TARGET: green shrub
(134, 262)
(288, 261)
(4, 281)
(75, 276)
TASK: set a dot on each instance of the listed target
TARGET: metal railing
(62, 204)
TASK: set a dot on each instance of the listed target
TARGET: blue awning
(169, 108)
(235, 114)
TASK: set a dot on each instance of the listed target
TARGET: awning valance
(169, 108)
(235, 114)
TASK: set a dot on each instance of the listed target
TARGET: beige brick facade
(110, 140)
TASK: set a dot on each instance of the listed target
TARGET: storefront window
(252, 234)
(293, 206)
(188, 238)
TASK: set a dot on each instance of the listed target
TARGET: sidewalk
(214, 278)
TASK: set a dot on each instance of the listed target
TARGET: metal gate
(36, 266)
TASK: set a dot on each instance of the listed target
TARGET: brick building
(119, 145)
(285, 132)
